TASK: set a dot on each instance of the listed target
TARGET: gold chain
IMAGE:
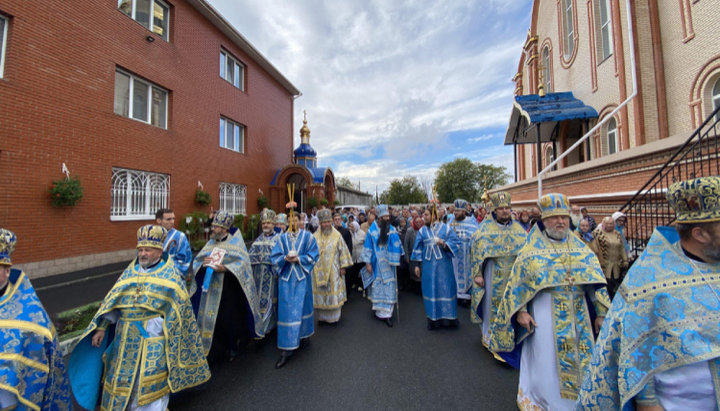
(566, 261)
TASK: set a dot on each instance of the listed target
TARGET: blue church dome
(305, 150)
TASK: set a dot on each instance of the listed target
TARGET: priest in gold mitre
(495, 245)
(555, 298)
(32, 370)
(659, 348)
(328, 279)
(143, 342)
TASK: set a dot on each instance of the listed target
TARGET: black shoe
(431, 325)
(231, 355)
(284, 358)
(305, 342)
(389, 322)
(445, 322)
(454, 323)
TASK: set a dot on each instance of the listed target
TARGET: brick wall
(57, 102)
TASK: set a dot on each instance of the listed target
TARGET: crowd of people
(549, 287)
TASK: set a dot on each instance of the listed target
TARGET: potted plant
(262, 202)
(202, 197)
(66, 192)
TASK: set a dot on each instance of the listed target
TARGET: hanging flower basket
(202, 197)
(66, 192)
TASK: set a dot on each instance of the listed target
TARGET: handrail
(631, 42)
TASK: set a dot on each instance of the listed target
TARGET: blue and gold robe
(494, 249)
(128, 357)
(464, 231)
(237, 263)
(384, 259)
(178, 247)
(265, 281)
(31, 365)
(665, 315)
(566, 274)
(295, 298)
(438, 277)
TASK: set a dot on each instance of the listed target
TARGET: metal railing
(699, 156)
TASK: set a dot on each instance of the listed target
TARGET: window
(606, 43)
(3, 36)
(232, 198)
(716, 98)
(549, 155)
(137, 195)
(232, 135)
(154, 15)
(232, 70)
(612, 136)
(568, 27)
(140, 100)
(546, 70)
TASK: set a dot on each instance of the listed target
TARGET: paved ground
(361, 364)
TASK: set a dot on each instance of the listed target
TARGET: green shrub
(262, 202)
(66, 192)
(202, 197)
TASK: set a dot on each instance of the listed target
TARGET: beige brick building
(583, 47)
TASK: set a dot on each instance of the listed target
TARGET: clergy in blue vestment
(228, 310)
(435, 246)
(143, 343)
(265, 281)
(555, 288)
(32, 371)
(464, 228)
(659, 347)
(176, 244)
(381, 254)
(294, 256)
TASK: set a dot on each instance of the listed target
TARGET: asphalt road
(362, 364)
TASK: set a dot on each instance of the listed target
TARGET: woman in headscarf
(583, 231)
(358, 241)
(610, 250)
(408, 243)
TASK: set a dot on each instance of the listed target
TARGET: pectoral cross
(569, 277)
(137, 294)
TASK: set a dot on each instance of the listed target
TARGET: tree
(404, 191)
(461, 178)
(345, 182)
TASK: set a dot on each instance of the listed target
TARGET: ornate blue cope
(464, 231)
(264, 278)
(31, 366)
(169, 363)
(295, 297)
(665, 315)
(370, 249)
(438, 277)
(237, 263)
(178, 247)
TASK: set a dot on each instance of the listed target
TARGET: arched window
(549, 155)
(605, 26)
(612, 136)
(568, 28)
(716, 98)
(547, 79)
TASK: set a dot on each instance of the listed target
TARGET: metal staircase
(699, 156)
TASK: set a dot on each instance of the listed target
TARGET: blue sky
(393, 87)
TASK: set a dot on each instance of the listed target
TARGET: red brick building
(143, 101)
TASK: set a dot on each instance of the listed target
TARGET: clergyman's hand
(97, 338)
(417, 272)
(526, 320)
(598, 324)
(368, 268)
(480, 281)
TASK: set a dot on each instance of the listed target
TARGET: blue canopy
(532, 113)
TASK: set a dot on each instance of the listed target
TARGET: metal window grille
(233, 198)
(137, 194)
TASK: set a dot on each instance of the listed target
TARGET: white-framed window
(606, 41)
(154, 15)
(233, 198)
(232, 70)
(137, 195)
(612, 136)
(716, 97)
(232, 135)
(568, 27)
(140, 100)
(3, 41)
(549, 155)
(547, 79)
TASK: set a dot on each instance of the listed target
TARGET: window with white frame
(3, 40)
(137, 195)
(232, 135)
(233, 197)
(232, 70)
(546, 69)
(716, 98)
(154, 15)
(568, 27)
(612, 136)
(549, 155)
(606, 42)
(140, 100)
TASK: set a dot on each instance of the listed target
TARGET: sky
(393, 88)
